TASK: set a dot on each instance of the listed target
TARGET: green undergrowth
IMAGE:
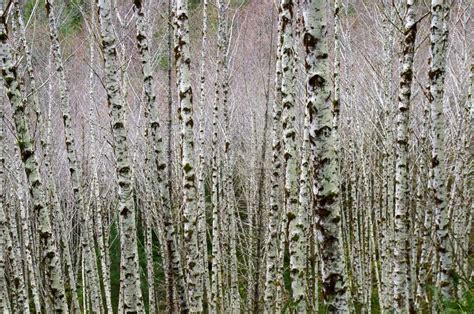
(68, 14)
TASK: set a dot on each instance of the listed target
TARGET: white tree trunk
(16, 260)
(202, 222)
(193, 265)
(400, 284)
(157, 157)
(3, 218)
(216, 257)
(102, 245)
(274, 213)
(439, 47)
(296, 232)
(326, 177)
(386, 221)
(132, 295)
(74, 169)
(50, 253)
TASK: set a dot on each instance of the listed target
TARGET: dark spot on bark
(316, 81)
(309, 41)
(322, 56)
(187, 167)
(124, 212)
(137, 3)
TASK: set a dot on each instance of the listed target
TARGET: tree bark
(296, 232)
(401, 166)
(216, 256)
(325, 176)
(3, 218)
(193, 265)
(74, 169)
(439, 46)
(50, 253)
(275, 210)
(132, 295)
(202, 221)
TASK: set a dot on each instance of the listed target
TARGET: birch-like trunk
(386, 221)
(155, 141)
(99, 220)
(202, 222)
(304, 201)
(326, 176)
(193, 264)
(50, 253)
(29, 266)
(16, 260)
(439, 47)
(274, 213)
(3, 218)
(337, 66)
(74, 169)
(34, 102)
(53, 198)
(296, 233)
(216, 255)
(229, 214)
(132, 295)
(400, 284)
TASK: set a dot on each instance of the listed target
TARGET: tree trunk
(193, 265)
(98, 208)
(74, 169)
(401, 171)
(296, 233)
(216, 257)
(275, 210)
(132, 295)
(202, 221)
(439, 46)
(50, 253)
(326, 177)
(4, 306)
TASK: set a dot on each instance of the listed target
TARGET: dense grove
(236, 156)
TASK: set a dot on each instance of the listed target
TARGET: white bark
(157, 157)
(274, 213)
(50, 254)
(30, 268)
(304, 204)
(228, 190)
(386, 221)
(439, 47)
(97, 209)
(400, 284)
(202, 222)
(296, 232)
(337, 64)
(132, 296)
(3, 219)
(216, 257)
(193, 265)
(74, 169)
(326, 177)
(16, 262)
